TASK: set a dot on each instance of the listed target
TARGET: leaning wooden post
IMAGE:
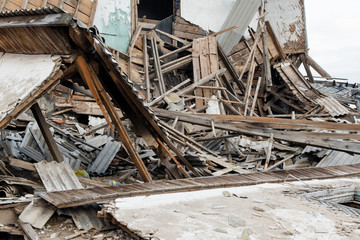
(89, 76)
(40, 119)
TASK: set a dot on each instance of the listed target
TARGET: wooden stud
(159, 73)
(255, 96)
(146, 69)
(49, 139)
(307, 68)
(28, 230)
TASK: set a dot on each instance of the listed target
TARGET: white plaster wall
(208, 14)
(21, 75)
(113, 20)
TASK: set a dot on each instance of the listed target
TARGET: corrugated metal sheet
(28, 142)
(333, 106)
(336, 158)
(296, 82)
(60, 177)
(240, 15)
(57, 176)
(103, 160)
(85, 217)
(37, 215)
(32, 154)
(287, 18)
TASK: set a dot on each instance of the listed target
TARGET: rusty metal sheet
(80, 197)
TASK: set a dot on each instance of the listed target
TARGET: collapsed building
(160, 97)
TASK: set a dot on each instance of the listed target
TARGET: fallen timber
(72, 198)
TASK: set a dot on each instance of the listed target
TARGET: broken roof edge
(49, 82)
(98, 46)
(31, 12)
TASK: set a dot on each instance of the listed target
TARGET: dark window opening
(155, 9)
(353, 204)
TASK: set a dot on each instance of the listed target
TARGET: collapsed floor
(174, 108)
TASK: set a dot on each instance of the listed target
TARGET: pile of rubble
(176, 107)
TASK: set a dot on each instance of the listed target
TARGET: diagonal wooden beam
(89, 76)
(40, 119)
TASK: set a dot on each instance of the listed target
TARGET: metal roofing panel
(37, 215)
(85, 217)
(332, 106)
(103, 160)
(57, 176)
(240, 15)
(336, 158)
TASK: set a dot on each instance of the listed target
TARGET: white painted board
(21, 75)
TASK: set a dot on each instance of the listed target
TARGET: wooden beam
(231, 70)
(92, 14)
(318, 68)
(333, 141)
(49, 139)
(157, 66)
(266, 60)
(306, 66)
(158, 99)
(135, 106)
(28, 230)
(89, 76)
(206, 79)
(255, 96)
(146, 70)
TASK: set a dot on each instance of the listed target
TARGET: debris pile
(177, 106)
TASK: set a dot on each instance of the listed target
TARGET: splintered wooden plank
(214, 60)
(184, 26)
(197, 72)
(205, 63)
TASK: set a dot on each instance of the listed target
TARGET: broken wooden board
(80, 197)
